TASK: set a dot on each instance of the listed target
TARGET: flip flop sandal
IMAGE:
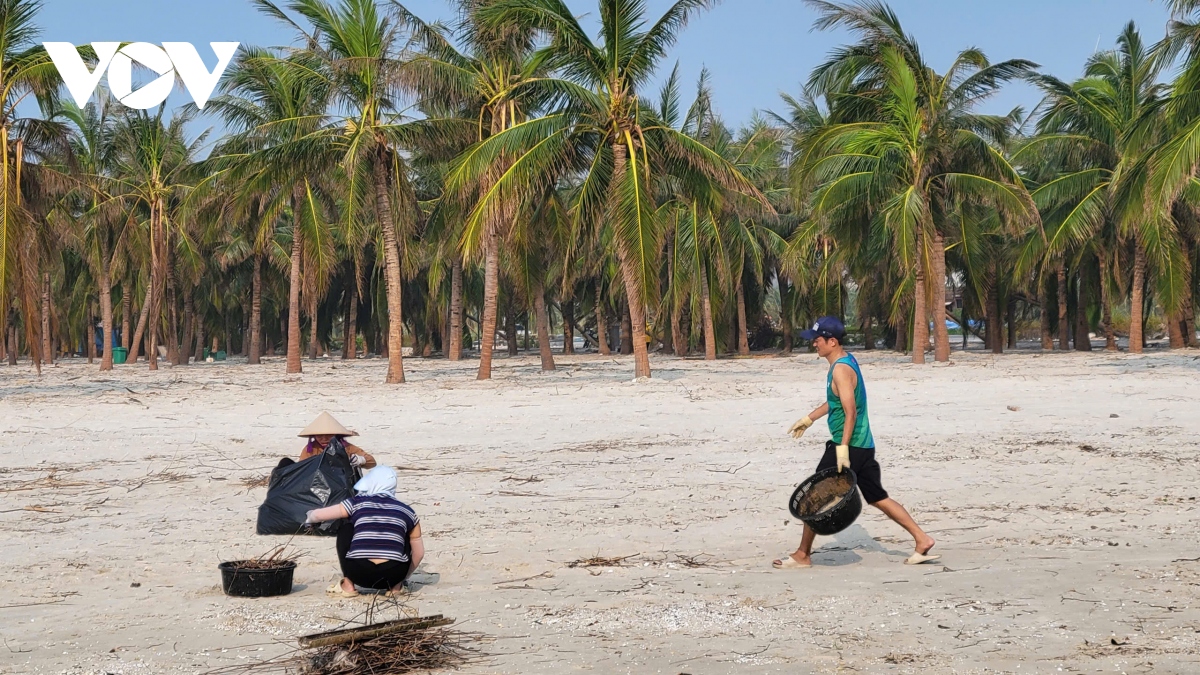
(787, 562)
(336, 590)
(919, 558)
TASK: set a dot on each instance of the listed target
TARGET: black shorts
(361, 571)
(864, 466)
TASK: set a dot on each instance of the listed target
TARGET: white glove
(357, 460)
(843, 457)
(309, 519)
(800, 427)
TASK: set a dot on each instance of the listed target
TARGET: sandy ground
(1062, 490)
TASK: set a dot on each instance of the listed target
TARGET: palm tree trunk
(679, 342)
(1083, 341)
(1010, 311)
(868, 326)
(941, 333)
(47, 348)
(294, 364)
(1110, 335)
(710, 331)
(491, 301)
(992, 317)
(1043, 316)
(454, 351)
(13, 342)
(671, 298)
(510, 327)
(626, 328)
(1189, 320)
(89, 334)
(568, 316)
(732, 338)
(601, 324)
(255, 333)
(173, 356)
(742, 328)
(1175, 331)
(391, 247)
(126, 311)
(350, 349)
(1063, 332)
(189, 326)
(313, 335)
(157, 282)
(633, 280)
(106, 311)
(785, 311)
(543, 327)
(139, 333)
(920, 319)
(198, 347)
(1137, 298)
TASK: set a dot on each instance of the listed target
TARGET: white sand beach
(1062, 489)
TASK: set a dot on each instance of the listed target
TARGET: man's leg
(802, 554)
(892, 509)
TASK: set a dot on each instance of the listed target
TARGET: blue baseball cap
(826, 327)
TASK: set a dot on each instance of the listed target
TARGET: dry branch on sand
(255, 482)
(599, 561)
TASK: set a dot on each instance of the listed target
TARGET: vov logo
(172, 58)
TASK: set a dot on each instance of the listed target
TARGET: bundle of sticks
(405, 646)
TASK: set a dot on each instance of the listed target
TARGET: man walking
(852, 445)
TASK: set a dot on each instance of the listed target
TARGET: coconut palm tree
(361, 50)
(1092, 139)
(603, 133)
(100, 226)
(496, 83)
(26, 70)
(909, 143)
(153, 167)
(272, 102)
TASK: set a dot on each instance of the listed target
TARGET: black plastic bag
(315, 483)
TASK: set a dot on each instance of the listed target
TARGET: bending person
(381, 546)
(321, 433)
(853, 445)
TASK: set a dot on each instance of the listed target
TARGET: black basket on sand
(828, 501)
(256, 582)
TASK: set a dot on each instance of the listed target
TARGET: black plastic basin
(256, 583)
(827, 501)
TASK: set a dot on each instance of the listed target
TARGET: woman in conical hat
(321, 433)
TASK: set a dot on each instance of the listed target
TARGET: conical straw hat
(325, 424)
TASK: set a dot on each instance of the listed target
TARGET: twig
(33, 604)
(729, 471)
(543, 575)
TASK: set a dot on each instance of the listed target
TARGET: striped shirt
(382, 525)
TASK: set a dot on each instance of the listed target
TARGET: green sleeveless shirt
(861, 438)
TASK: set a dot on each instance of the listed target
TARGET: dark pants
(864, 466)
(363, 572)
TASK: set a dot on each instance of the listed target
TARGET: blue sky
(754, 48)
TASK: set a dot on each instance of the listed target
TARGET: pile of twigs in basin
(261, 576)
(276, 559)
